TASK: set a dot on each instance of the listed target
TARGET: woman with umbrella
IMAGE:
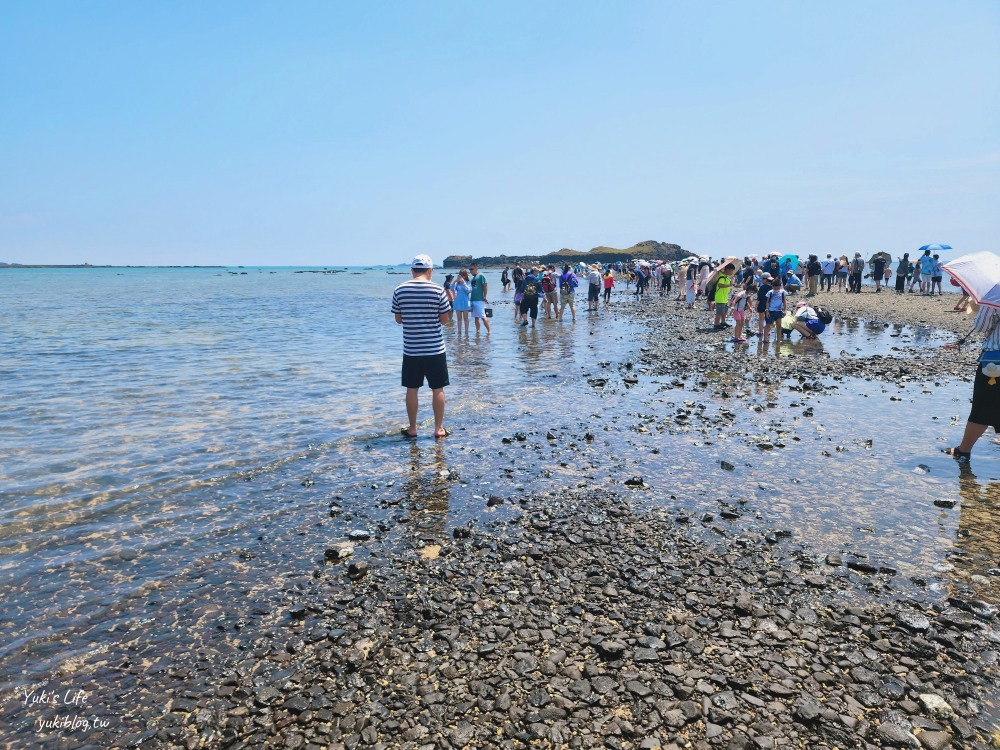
(979, 275)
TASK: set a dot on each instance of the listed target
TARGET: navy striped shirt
(421, 302)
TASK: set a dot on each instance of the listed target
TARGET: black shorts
(530, 306)
(985, 401)
(434, 367)
(593, 292)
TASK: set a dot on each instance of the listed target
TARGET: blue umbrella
(793, 261)
(934, 248)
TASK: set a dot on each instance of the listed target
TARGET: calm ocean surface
(139, 402)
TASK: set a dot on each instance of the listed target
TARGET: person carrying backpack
(857, 268)
(529, 298)
(550, 297)
(567, 290)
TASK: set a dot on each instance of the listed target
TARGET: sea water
(156, 420)
(140, 402)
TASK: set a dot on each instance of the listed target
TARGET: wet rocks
(338, 552)
(357, 570)
(913, 621)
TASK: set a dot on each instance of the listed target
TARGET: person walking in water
(478, 297)
(422, 307)
(985, 412)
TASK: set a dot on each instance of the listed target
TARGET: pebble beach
(580, 602)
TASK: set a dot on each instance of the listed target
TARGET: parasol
(979, 275)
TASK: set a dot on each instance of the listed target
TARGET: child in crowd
(739, 305)
(776, 304)
(765, 287)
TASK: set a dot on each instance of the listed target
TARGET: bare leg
(437, 401)
(973, 432)
(412, 395)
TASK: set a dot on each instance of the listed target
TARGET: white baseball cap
(422, 261)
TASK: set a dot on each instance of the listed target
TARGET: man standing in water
(421, 307)
(478, 296)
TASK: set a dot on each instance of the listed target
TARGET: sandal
(405, 432)
(958, 455)
(447, 432)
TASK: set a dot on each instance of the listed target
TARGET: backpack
(547, 285)
(530, 292)
(857, 265)
(823, 314)
(566, 283)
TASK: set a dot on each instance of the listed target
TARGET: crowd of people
(754, 292)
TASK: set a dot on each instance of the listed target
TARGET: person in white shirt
(829, 268)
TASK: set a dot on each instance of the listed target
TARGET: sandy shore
(568, 618)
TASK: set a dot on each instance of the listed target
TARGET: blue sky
(333, 133)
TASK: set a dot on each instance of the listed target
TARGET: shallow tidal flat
(684, 546)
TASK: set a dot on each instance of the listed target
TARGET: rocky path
(585, 622)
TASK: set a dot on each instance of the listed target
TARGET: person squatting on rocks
(422, 307)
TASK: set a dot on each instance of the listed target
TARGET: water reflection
(851, 337)
(978, 520)
(428, 489)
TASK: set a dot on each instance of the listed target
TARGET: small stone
(935, 740)
(339, 552)
(358, 535)
(936, 706)
(643, 655)
(266, 695)
(726, 466)
(913, 621)
(896, 736)
(357, 570)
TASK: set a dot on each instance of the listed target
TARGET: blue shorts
(816, 326)
(479, 309)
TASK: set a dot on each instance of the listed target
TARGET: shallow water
(850, 337)
(146, 408)
(175, 437)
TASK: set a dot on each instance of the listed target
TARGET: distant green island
(648, 250)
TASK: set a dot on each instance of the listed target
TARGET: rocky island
(647, 250)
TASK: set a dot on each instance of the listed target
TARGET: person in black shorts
(765, 287)
(422, 307)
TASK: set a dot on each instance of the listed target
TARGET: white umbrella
(979, 275)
